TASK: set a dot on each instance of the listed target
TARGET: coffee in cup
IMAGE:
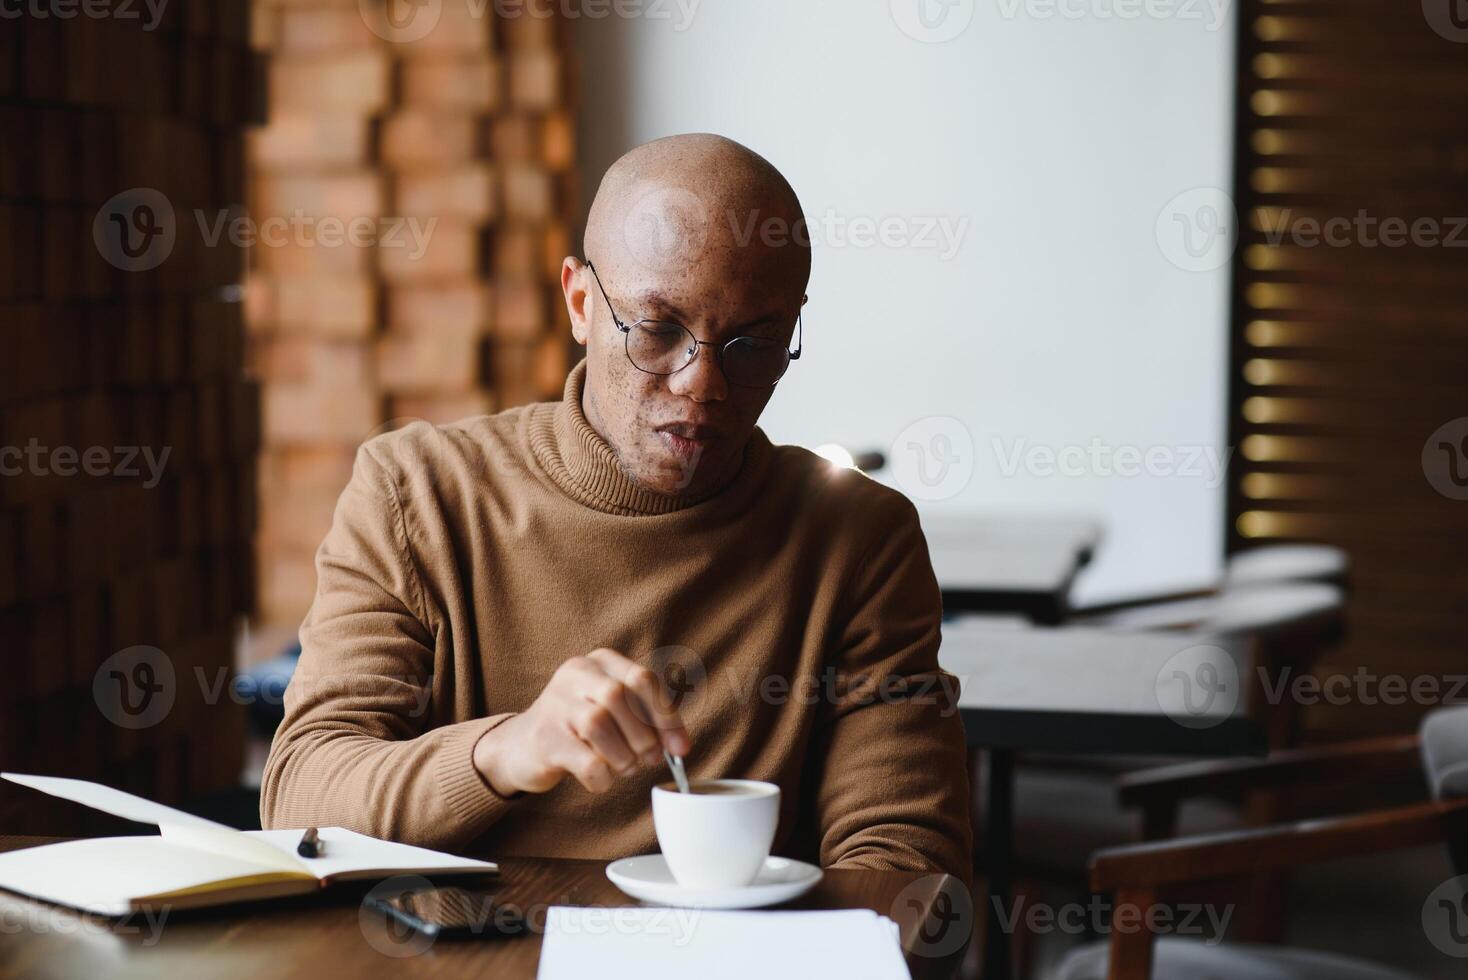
(711, 788)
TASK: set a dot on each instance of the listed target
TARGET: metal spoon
(680, 776)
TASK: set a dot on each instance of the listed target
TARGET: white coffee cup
(720, 839)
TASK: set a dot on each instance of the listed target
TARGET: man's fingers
(647, 699)
(602, 685)
(595, 725)
(585, 765)
(608, 715)
(659, 708)
(617, 698)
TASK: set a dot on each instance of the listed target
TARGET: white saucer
(647, 877)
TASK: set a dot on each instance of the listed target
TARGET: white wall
(1050, 316)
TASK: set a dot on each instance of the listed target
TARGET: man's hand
(600, 716)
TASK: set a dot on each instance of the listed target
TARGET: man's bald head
(699, 231)
(685, 200)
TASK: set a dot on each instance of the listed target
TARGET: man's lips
(690, 431)
(686, 439)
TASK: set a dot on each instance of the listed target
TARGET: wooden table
(1078, 690)
(333, 935)
(995, 564)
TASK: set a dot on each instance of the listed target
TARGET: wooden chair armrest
(1147, 866)
(1232, 778)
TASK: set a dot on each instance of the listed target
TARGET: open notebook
(196, 862)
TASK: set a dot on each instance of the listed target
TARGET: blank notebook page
(347, 854)
(693, 944)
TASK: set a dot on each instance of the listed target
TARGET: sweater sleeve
(894, 789)
(357, 748)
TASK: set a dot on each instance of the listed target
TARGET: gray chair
(1444, 737)
(1140, 874)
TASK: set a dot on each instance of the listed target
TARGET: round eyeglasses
(664, 347)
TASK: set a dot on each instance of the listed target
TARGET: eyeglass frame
(626, 330)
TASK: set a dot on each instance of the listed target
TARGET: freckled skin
(671, 221)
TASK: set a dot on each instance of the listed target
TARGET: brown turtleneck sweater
(466, 562)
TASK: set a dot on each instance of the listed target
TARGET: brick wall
(127, 437)
(443, 136)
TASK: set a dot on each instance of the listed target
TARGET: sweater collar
(581, 463)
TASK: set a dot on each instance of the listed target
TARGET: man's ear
(573, 286)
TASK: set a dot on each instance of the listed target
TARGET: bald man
(517, 614)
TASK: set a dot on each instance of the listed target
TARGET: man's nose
(702, 380)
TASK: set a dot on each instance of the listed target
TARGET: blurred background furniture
(1141, 874)
(1268, 564)
(1290, 626)
(1077, 690)
(1294, 622)
(1020, 565)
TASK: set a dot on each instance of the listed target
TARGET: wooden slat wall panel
(112, 358)
(1349, 353)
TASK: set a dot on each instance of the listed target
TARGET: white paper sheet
(682, 944)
